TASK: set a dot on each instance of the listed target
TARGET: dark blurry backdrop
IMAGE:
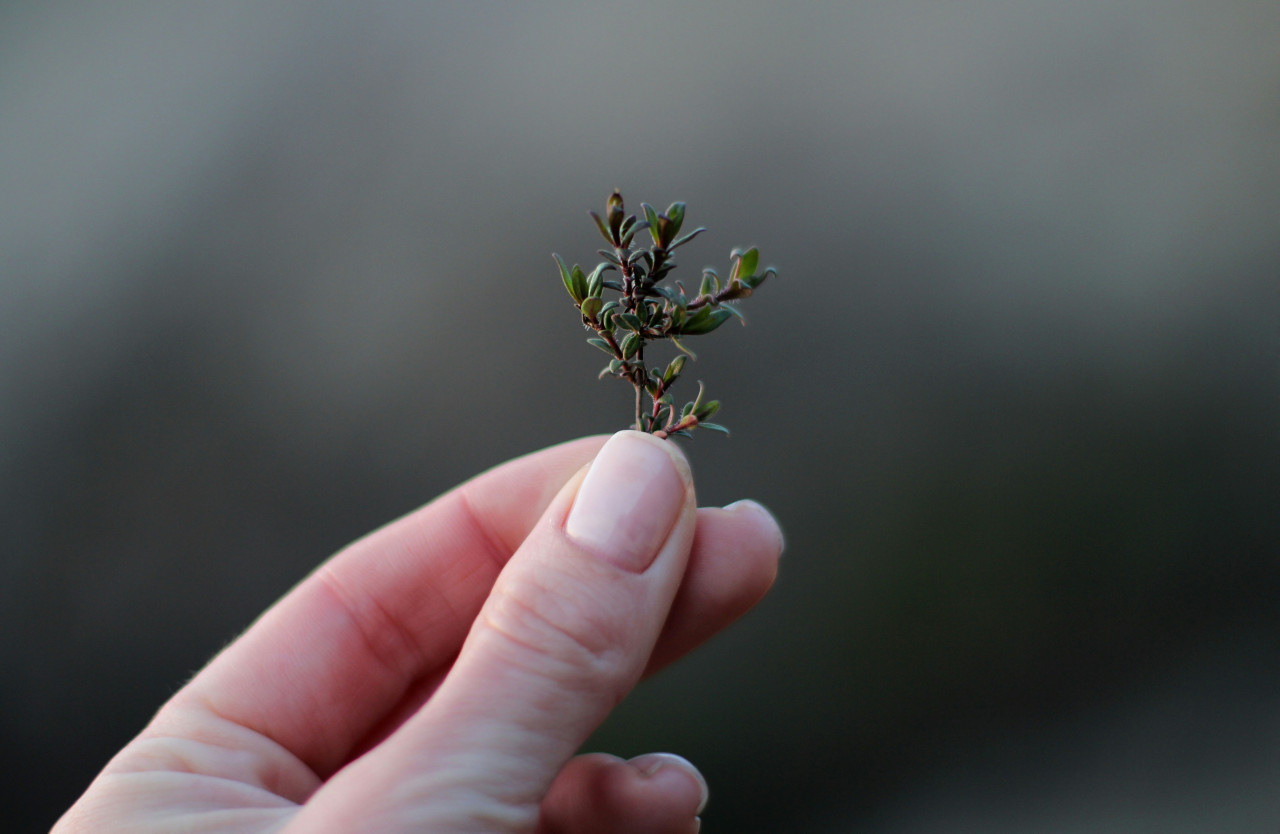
(272, 274)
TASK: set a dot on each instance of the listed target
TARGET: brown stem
(726, 294)
(688, 422)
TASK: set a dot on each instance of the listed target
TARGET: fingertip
(762, 518)
(630, 500)
(597, 793)
(667, 766)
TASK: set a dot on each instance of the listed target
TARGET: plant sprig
(648, 310)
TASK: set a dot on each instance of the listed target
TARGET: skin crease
(440, 673)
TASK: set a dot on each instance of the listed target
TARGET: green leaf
(669, 293)
(713, 427)
(631, 344)
(652, 217)
(745, 267)
(677, 343)
(602, 344)
(567, 277)
(681, 241)
(698, 325)
(675, 213)
(595, 281)
(733, 310)
(710, 282)
(604, 231)
(579, 282)
(650, 311)
(629, 236)
(628, 320)
(697, 401)
(754, 281)
(674, 368)
(591, 307)
(707, 411)
(665, 232)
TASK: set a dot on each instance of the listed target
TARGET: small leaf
(614, 214)
(674, 369)
(681, 241)
(631, 344)
(669, 293)
(707, 411)
(579, 282)
(595, 281)
(675, 213)
(753, 281)
(710, 282)
(602, 344)
(678, 344)
(731, 308)
(604, 231)
(713, 427)
(745, 267)
(665, 232)
(649, 312)
(591, 307)
(616, 286)
(714, 319)
(629, 321)
(697, 401)
(567, 277)
(652, 217)
(631, 235)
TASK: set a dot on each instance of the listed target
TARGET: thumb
(563, 636)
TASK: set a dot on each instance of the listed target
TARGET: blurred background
(274, 273)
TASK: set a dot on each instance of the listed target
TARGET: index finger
(338, 652)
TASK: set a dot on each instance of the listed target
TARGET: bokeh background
(274, 273)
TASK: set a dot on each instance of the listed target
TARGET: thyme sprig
(648, 310)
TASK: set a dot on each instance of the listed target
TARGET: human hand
(439, 674)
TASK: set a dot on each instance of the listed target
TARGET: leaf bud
(614, 214)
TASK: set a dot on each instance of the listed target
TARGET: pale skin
(439, 674)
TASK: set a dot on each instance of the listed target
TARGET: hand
(439, 674)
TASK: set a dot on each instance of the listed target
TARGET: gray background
(272, 274)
